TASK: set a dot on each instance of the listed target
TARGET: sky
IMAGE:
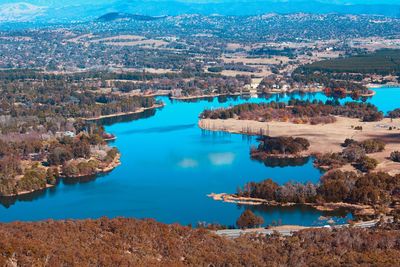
(61, 3)
(72, 10)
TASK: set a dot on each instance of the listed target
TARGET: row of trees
(297, 111)
(221, 84)
(336, 186)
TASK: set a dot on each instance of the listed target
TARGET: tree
(81, 149)
(249, 220)
(58, 156)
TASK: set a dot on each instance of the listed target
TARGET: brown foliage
(128, 242)
(249, 220)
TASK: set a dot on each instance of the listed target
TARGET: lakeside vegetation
(297, 111)
(374, 189)
(280, 147)
(33, 164)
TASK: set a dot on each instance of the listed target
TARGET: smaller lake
(169, 166)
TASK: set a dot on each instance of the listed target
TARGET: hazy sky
(80, 2)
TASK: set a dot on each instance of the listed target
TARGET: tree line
(297, 111)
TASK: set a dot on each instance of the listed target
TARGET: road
(234, 233)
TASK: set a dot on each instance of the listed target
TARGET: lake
(169, 166)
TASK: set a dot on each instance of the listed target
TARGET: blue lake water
(169, 166)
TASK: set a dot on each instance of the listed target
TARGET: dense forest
(63, 99)
(129, 242)
(384, 62)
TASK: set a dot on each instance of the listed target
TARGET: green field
(381, 62)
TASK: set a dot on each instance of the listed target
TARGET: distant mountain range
(21, 12)
(74, 10)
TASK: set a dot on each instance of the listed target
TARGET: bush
(330, 160)
(366, 164)
(353, 153)
(373, 146)
(395, 156)
(348, 142)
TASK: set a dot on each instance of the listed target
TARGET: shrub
(395, 156)
(373, 145)
(348, 142)
(330, 160)
(353, 153)
(366, 164)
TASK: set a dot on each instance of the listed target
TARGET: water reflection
(274, 162)
(7, 202)
(278, 215)
(127, 118)
(219, 159)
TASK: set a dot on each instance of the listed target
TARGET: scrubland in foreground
(129, 242)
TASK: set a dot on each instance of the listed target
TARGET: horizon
(50, 11)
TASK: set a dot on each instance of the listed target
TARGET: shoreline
(21, 193)
(203, 96)
(111, 166)
(114, 164)
(258, 155)
(359, 209)
(140, 110)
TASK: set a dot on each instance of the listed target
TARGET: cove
(169, 166)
